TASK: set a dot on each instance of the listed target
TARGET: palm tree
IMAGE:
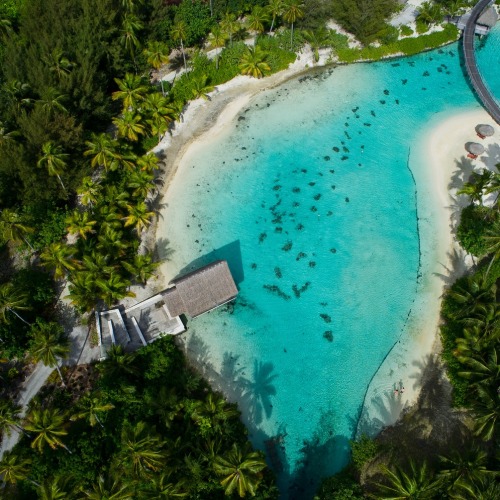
(12, 299)
(59, 257)
(483, 368)
(89, 408)
(56, 488)
(275, 8)
(292, 10)
(179, 33)
(88, 191)
(162, 488)
(113, 289)
(58, 64)
(109, 489)
(51, 100)
(103, 150)
(477, 186)
(487, 412)
(213, 414)
(253, 62)
(471, 297)
(132, 91)
(141, 450)
(165, 404)
(138, 216)
(242, 470)
(217, 39)
(112, 242)
(230, 25)
(82, 291)
(492, 238)
(12, 228)
(54, 160)
(156, 54)
(317, 40)
(142, 267)
(129, 126)
(417, 483)
(429, 13)
(10, 416)
(128, 38)
(48, 425)
(148, 162)
(141, 182)
(13, 468)
(201, 87)
(257, 18)
(160, 113)
(118, 362)
(49, 344)
(80, 223)
(464, 468)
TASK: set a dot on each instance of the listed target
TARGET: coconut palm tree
(213, 414)
(148, 162)
(132, 91)
(492, 239)
(88, 191)
(141, 182)
(10, 417)
(253, 62)
(118, 363)
(109, 488)
(257, 18)
(13, 468)
(103, 150)
(138, 216)
(160, 113)
(178, 33)
(113, 289)
(156, 54)
(116, 197)
(317, 39)
(230, 25)
(80, 223)
(131, 25)
(49, 426)
(56, 488)
(162, 487)
(82, 291)
(217, 39)
(141, 268)
(142, 451)
(416, 483)
(12, 299)
(59, 257)
(487, 412)
(201, 87)
(89, 407)
(476, 187)
(241, 468)
(129, 126)
(482, 368)
(12, 228)
(275, 9)
(112, 242)
(59, 64)
(292, 11)
(165, 404)
(430, 13)
(51, 100)
(49, 344)
(54, 160)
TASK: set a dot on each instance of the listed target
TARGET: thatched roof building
(488, 18)
(200, 291)
(483, 130)
(474, 148)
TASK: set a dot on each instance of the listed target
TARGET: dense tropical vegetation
(81, 106)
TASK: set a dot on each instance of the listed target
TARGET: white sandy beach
(446, 167)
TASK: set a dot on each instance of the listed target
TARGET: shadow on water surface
(230, 252)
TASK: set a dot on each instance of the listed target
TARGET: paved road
(476, 79)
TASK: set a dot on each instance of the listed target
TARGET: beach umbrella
(484, 130)
(474, 148)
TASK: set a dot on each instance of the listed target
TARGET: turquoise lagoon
(311, 197)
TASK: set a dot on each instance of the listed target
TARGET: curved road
(484, 94)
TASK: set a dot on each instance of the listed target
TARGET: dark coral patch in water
(326, 158)
(276, 290)
(336, 149)
(300, 255)
(328, 335)
(312, 263)
(262, 237)
(278, 273)
(278, 230)
(344, 158)
(296, 190)
(287, 246)
(253, 265)
(299, 227)
(317, 196)
(333, 250)
(277, 187)
(314, 209)
(312, 184)
(325, 318)
(298, 291)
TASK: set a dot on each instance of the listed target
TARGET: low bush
(474, 221)
(422, 27)
(363, 450)
(406, 31)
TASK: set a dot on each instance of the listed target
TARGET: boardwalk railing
(476, 79)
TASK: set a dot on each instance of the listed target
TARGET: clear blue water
(312, 201)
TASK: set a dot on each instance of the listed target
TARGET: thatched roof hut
(488, 18)
(201, 291)
(483, 130)
(474, 148)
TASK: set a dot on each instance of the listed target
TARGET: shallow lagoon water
(311, 198)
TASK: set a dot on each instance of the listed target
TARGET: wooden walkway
(483, 93)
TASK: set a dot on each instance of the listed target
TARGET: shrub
(196, 15)
(422, 27)
(363, 450)
(341, 486)
(474, 221)
(406, 31)
(388, 35)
